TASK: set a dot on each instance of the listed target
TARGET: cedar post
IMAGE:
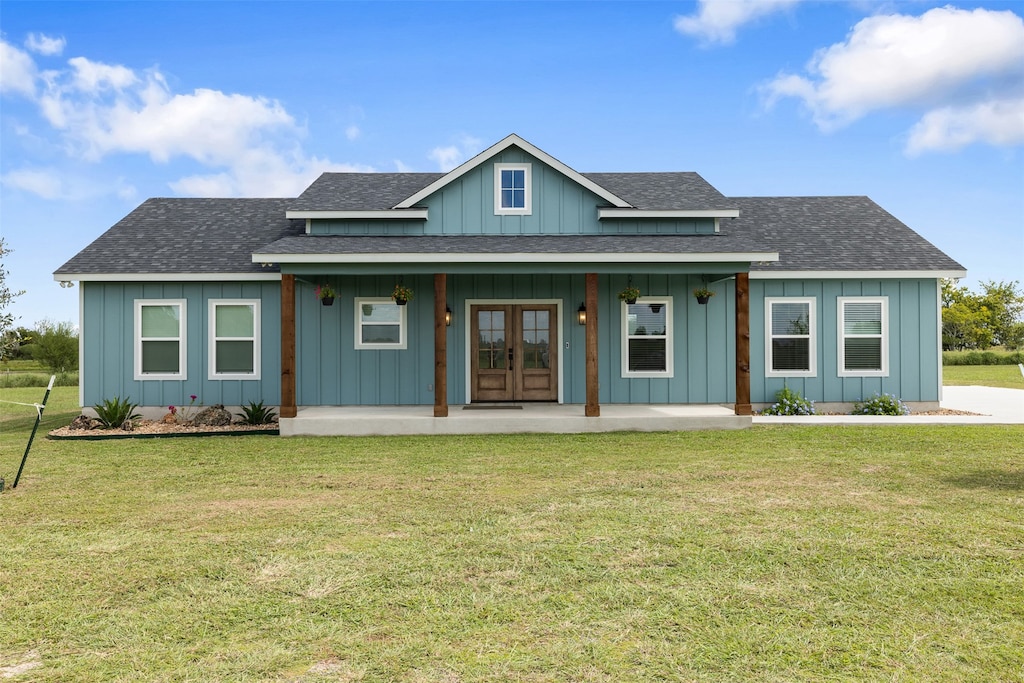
(288, 407)
(440, 345)
(593, 408)
(742, 344)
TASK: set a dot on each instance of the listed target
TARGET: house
(516, 262)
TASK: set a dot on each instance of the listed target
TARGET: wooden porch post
(288, 407)
(743, 344)
(440, 345)
(593, 408)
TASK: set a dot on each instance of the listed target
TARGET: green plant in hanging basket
(703, 293)
(401, 294)
(629, 294)
(325, 292)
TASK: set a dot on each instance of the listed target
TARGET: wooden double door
(514, 355)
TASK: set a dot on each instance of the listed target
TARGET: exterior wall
(331, 371)
(913, 343)
(108, 353)
(466, 206)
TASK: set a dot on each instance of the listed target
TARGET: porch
(518, 418)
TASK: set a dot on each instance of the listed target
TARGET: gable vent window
(512, 189)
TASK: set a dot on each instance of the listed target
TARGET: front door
(514, 352)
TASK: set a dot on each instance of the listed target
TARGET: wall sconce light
(447, 317)
(581, 314)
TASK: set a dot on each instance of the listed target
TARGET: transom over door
(514, 352)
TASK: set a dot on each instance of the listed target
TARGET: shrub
(14, 380)
(56, 346)
(982, 358)
(115, 413)
(881, 404)
(789, 402)
(256, 414)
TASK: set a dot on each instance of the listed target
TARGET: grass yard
(1007, 376)
(775, 554)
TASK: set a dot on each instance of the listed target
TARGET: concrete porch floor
(518, 418)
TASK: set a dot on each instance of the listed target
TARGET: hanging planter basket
(326, 294)
(401, 295)
(629, 295)
(327, 301)
(702, 295)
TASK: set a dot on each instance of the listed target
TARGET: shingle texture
(187, 236)
(834, 233)
(222, 235)
(360, 191)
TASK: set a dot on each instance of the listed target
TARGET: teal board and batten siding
(913, 342)
(331, 371)
(560, 206)
(108, 328)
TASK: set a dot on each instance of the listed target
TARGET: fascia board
(499, 147)
(520, 257)
(668, 213)
(168, 277)
(856, 274)
(413, 214)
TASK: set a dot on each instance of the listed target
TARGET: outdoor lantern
(581, 313)
(447, 316)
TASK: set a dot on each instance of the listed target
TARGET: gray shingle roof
(221, 235)
(663, 191)
(360, 191)
(834, 233)
(187, 236)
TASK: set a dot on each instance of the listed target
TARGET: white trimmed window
(512, 189)
(234, 351)
(863, 336)
(791, 331)
(647, 337)
(160, 336)
(380, 324)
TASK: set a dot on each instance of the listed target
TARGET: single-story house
(519, 269)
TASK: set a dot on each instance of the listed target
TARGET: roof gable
(498, 148)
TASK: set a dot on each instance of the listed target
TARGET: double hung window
(863, 336)
(790, 346)
(160, 334)
(380, 324)
(647, 338)
(234, 351)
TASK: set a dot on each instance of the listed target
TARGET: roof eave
(521, 257)
(399, 214)
(667, 213)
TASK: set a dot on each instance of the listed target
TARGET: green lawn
(1007, 376)
(774, 554)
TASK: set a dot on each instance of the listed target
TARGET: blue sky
(919, 105)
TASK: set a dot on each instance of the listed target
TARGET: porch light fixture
(581, 313)
(447, 317)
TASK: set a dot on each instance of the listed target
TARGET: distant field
(1007, 376)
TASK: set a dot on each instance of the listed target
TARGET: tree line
(981, 320)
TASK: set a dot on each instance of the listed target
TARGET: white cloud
(402, 167)
(42, 183)
(450, 156)
(353, 132)
(997, 123)
(92, 77)
(716, 21)
(17, 71)
(964, 69)
(45, 45)
(249, 145)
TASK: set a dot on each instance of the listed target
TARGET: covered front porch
(518, 418)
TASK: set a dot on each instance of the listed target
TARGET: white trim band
(171, 277)
(518, 257)
(413, 214)
(855, 274)
(668, 213)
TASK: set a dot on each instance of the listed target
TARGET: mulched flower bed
(158, 429)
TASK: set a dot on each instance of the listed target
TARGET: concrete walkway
(993, 405)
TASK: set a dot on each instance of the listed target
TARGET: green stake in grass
(39, 416)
